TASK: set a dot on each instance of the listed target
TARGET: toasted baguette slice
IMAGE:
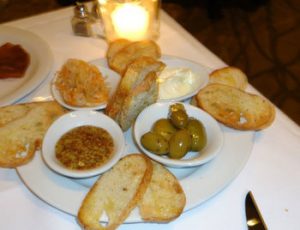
(145, 94)
(10, 113)
(138, 70)
(21, 136)
(116, 192)
(114, 47)
(164, 199)
(137, 89)
(129, 53)
(133, 76)
(236, 108)
(229, 76)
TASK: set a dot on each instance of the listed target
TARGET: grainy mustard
(84, 147)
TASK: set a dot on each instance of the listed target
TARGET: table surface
(272, 172)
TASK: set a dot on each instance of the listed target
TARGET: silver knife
(254, 217)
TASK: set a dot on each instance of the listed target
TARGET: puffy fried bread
(22, 135)
(164, 199)
(81, 84)
(114, 47)
(137, 89)
(236, 108)
(229, 76)
(132, 51)
(116, 192)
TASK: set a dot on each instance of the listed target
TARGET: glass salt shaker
(81, 22)
(97, 24)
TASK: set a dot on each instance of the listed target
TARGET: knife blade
(254, 217)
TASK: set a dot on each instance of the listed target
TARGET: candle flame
(131, 21)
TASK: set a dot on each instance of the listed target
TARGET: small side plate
(111, 80)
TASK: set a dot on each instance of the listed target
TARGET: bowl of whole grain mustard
(83, 144)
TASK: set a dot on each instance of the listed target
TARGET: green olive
(197, 131)
(164, 127)
(179, 118)
(175, 107)
(180, 144)
(155, 143)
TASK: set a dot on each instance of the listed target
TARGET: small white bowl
(75, 119)
(112, 80)
(201, 74)
(156, 111)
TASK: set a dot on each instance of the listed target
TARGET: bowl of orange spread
(80, 85)
(83, 144)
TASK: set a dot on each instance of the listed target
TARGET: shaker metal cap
(80, 10)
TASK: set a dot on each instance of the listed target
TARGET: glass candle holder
(134, 20)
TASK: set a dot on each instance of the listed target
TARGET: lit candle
(130, 21)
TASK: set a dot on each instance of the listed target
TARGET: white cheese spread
(176, 82)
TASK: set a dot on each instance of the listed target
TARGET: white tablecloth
(272, 171)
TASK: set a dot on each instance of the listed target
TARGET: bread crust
(236, 108)
(143, 95)
(130, 52)
(22, 133)
(229, 75)
(164, 199)
(116, 192)
(136, 90)
(114, 47)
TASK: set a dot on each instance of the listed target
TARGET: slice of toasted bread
(229, 76)
(236, 108)
(143, 95)
(164, 199)
(137, 89)
(114, 47)
(22, 135)
(129, 53)
(138, 69)
(133, 76)
(10, 113)
(116, 192)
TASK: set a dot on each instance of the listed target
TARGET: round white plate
(41, 61)
(201, 72)
(144, 123)
(199, 183)
(75, 119)
(111, 80)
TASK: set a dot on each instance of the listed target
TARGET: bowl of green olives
(178, 134)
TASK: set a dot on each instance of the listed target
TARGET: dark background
(261, 37)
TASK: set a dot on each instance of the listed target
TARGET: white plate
(199, 183)
(41, 61)
(214, 134)
(201, 72)
(111, 79)
(75, 119)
